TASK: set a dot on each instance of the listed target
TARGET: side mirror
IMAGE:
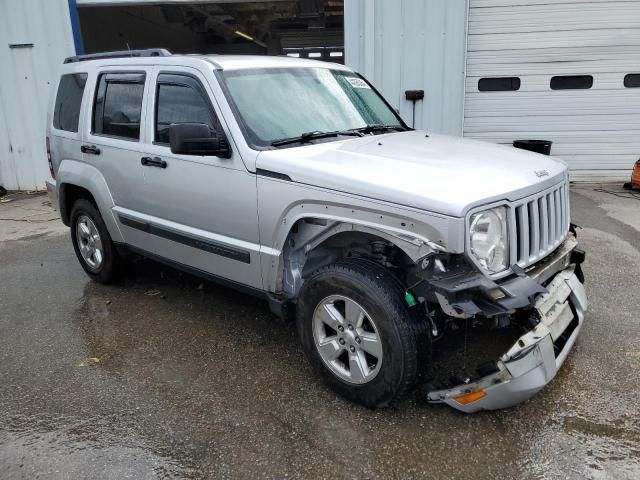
(198, 139)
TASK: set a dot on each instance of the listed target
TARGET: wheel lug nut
(341, 341)
(352, 348)
(358, 340)
(341, 328)
(350, 327)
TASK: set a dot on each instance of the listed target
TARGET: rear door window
(66, 113)
(118, 105)
(180, 99)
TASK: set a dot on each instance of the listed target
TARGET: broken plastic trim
(463, 291)
(534, 359)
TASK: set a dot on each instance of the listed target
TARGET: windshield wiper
(354, 132)
(308, 136)
(379, 128)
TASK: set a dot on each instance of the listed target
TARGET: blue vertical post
(75, 27)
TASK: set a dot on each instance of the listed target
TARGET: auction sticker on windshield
(357, 82)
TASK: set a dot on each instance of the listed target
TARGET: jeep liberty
(295, 180)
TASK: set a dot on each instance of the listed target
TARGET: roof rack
(149, 52)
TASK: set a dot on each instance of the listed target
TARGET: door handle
(153, 162)
(92, 149)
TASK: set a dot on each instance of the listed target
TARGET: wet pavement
(164, 376)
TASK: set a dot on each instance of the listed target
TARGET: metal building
(35, 36)
(496, 70)
(576, 64)
(412, 45)
(501, 70)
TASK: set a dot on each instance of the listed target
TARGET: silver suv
(295, 180)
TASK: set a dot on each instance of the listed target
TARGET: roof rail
(149, 52)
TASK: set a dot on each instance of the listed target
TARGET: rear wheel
(92, 243)
(358, 332)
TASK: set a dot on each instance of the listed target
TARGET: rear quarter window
(66, 113)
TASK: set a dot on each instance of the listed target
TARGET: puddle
(55, 446)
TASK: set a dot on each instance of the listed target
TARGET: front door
(200, 211)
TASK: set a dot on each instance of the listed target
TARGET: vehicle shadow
(191, 359)
(155, 310)
(158, 316)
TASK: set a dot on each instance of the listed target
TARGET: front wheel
(357, 330)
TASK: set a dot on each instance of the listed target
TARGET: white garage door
(566, 71)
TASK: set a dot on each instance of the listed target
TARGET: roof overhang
(106, 3)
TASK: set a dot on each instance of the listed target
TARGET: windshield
(283, 103)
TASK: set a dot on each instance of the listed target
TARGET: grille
(541, 224)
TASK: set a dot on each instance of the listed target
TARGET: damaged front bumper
(534, 359)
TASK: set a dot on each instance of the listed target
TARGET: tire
(108, 269)
(380, 296)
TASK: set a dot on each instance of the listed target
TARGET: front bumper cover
(533, 361)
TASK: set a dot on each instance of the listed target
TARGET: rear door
(201, 210)
(112, 143)
(64, 135)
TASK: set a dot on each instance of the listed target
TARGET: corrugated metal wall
(412, 45)
(35, 36)
(596, 130)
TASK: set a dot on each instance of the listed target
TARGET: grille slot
(541, 224)
(562, 340)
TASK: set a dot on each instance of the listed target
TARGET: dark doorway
(304, 28)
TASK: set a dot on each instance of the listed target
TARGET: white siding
(412, 45)
(597, 130)
(25, 77)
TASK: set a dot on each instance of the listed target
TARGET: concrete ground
(167, 377)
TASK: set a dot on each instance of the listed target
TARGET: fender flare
(333, 219)
(72, 172)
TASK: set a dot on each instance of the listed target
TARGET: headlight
(489, 239)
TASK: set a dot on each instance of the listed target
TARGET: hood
(437, 173)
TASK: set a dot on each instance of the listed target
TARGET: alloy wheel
(347, 339)
(89, 242)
